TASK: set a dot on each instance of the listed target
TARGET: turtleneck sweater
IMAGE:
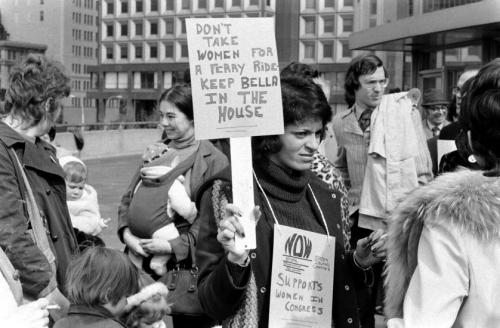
(290, 197)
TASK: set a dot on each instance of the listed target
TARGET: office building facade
(69, 30)
(143, 46)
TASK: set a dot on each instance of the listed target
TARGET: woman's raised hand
(227, 230)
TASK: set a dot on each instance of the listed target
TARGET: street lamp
(82, 119)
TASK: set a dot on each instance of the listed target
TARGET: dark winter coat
(46, 178)
(221, 298)
(82, 316)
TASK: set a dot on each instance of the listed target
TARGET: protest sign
(234, 77)
(236, 90)
(301, 279)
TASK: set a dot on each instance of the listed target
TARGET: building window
(474, 51)
(41, 16)
(345, 49)
(202, 4)
(138, 52)
(219, 4)
(236, 3)
(328, 49)
(183, 25)
(124, 7)
(373, 7)
(169, 50)
(328, 24)
(330, 3)
(310, 25)
(169, 5)
(124, 29)
(109, 30)
(110, 7)
(109, 52)
(309, 50)
(153, 28)
(138, 28)
(153, 51)
(254, 3)
(184, 50)
(147, 80)
(348, 3)
(138, 6)
(186, 4)
(169, 26)
(310, 4)
(124, 51)
(154, 5)
(347, 24)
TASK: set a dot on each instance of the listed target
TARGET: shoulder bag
(182, 286)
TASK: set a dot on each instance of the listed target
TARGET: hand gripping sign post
(236, 94)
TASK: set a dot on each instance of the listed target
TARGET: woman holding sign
(299, 270)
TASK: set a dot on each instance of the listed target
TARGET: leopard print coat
(325, 170)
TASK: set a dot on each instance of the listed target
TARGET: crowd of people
(419, 230)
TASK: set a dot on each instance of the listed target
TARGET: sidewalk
(110, 177)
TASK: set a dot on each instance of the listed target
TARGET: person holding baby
(157, 218)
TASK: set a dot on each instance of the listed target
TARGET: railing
(106, 126)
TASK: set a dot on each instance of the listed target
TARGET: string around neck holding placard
(274, 215)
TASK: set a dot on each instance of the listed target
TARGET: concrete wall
(110, 143)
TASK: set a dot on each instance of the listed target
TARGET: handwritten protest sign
(301, 279)
(234, 77)
(236, 94)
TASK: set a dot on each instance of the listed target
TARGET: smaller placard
(301, 279)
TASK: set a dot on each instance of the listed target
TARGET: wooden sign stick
(242, 184)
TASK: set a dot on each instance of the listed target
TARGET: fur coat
(465, 200)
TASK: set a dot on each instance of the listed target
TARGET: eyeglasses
(372, 84)
(435, 108)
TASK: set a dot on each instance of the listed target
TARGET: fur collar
(465, 199)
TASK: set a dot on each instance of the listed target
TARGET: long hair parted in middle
(302, 100)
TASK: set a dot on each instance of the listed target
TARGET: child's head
(102, 277)
(148, 307)
(75, 175)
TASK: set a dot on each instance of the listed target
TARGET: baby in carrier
(158, 197)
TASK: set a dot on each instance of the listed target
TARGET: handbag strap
(35, 219)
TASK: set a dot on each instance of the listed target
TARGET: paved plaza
(110, 177)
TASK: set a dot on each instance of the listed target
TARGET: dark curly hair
(299, 69)
(36, 86)
(302, 100)
(360, 65)
(480, 114)
(180, 96)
